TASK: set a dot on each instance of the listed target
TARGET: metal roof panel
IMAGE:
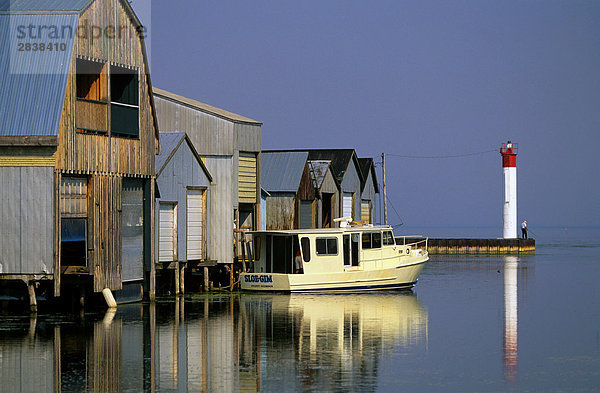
(282, 171)
(33, 83)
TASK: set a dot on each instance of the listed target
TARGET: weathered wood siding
(281, 210)
(106, 159)
(210, 134)
(105, 231)
(220, 229)
(89, 153)
(180, 172)
(27, 220)
(247, 137)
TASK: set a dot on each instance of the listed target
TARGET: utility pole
(384, 190)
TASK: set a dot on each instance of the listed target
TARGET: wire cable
(447, 156)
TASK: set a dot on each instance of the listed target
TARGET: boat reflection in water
(213, 343)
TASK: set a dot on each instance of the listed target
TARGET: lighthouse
(509, 152)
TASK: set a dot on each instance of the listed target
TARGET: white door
(195, 224)
(166, 241)
(347, 205)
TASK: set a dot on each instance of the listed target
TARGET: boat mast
(384, 190)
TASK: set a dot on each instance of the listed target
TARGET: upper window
(326, 246)
(124, 96)
(91, 107)
(388, 238)
(371, 240)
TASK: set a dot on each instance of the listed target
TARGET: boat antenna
(385, 218)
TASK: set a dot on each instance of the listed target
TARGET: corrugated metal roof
(33, 83)
(340, 159)
(282, 171)
(204, 107)
(43, 5)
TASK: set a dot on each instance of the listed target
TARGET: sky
(408, 78)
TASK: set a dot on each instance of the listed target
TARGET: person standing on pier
(524, 229)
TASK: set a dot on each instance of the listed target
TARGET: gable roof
(340, 159)
(212, 110)
(366, 166)
(282, 171)
(319, 171)
(170, 142)
(32, 87)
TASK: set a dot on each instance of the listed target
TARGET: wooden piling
(32, 298)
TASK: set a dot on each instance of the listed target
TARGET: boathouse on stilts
(78, 138)
(230, 146)
(182, 216)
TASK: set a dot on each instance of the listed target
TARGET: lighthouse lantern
(509, 151)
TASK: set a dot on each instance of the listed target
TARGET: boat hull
(403, 276)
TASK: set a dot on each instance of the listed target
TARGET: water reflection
(510, 318)
(213, 343)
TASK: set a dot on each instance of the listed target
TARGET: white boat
(350, 258)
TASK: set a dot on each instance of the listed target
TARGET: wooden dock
(477, 246)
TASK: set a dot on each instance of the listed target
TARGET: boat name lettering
(261, 278)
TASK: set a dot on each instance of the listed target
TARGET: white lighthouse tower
(509, 152)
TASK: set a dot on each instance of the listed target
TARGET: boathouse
(78, 136)
(369, 191)
(229, 145)
(287, 178)
(182, 216)
(327, 190)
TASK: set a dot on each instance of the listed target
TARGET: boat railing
(414, 244)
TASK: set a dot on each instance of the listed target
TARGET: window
(326, 246)
(124, 108)
(388, 239)
(371, 240)
(91, 106)
(305, 243)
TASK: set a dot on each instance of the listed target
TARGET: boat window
(388, 239)
(305, 243)
(256, 248)
(371, 240)
(376, 239)
(326, 246)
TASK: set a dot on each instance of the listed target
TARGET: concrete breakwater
(476, 246)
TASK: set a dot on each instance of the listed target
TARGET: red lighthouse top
(509, 151)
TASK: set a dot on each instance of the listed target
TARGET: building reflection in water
(237, 342)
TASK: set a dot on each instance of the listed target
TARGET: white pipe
(110, 299)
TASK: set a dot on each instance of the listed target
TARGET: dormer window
(107, 99)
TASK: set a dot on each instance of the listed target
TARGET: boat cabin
(327, 250)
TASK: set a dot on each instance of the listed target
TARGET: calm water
(471, 324)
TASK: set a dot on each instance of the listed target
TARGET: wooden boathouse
(78, 136)
(229, 145)
(328, 192)
(291, 204)
(369, 191)
(346, 169)
(182, 215)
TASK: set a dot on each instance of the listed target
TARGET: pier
(476, 246)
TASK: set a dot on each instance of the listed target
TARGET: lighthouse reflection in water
(510, 318)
